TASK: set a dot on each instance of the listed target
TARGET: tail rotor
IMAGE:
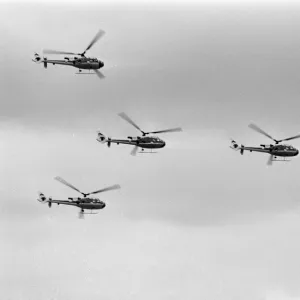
(234, 145)
(43, 199)
(101, 138)
(37, 58)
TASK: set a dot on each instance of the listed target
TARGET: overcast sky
(195, 221)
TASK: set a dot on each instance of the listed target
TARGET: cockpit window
(284, 147)
(155, 139)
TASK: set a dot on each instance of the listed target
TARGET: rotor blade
(99, 74)
(95, 39)
(257, 129)
(167, 130)
(134, 150)
(110, 188)
(49, 51)
(126, 118)
(270, 160)
(291, 138)
(81, 215)
(67, 184)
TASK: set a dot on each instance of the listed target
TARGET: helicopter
(83, 203)
(277, 152)
(144, 141)
(79, 60)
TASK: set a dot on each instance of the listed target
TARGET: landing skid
(85, 73)
(143, 151)
(281, 159)
(148, 152)
(82, 213)
(90, 213)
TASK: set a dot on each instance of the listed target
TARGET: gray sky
(196, 220)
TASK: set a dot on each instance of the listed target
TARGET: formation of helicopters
(84, 203)
(77, 60)
(277, 151)
(87, 203)
(143, 142)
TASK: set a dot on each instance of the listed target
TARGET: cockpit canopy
(284, 147)
(95, 200)
(85, 59)
(151, 139)
(89, 200)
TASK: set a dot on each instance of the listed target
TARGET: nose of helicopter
(297, 152)
(101, 64)
(163, 144)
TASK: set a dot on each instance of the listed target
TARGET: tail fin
(242, 149)
(45, 62)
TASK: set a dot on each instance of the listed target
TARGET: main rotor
(259, 130)
(126, 118)
(91, 44)
(110, 188)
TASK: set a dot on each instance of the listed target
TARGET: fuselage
(88, 64)
(84, 203)
(145, 142)
(92, 205)
(77, 62)
(277, 150)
